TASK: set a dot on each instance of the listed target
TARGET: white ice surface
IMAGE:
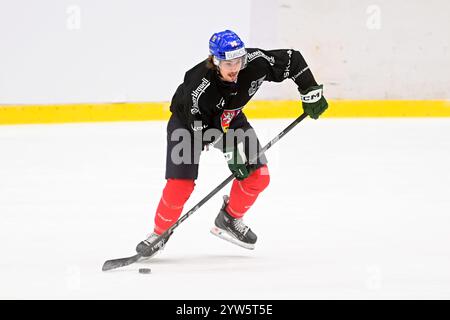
(356, 208)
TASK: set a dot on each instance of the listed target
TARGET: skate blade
(226, 236)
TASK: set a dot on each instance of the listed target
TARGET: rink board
(142, 111)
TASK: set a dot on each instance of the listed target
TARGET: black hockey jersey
(204, 101)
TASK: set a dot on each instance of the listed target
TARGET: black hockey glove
(236, 163)
(313, 101)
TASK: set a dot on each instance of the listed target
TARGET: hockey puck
(145, 270)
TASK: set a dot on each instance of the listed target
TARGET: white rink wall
(135, 50)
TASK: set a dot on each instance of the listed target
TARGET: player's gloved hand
(313, 101)
(236, 163)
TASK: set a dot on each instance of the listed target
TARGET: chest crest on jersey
(226, 118)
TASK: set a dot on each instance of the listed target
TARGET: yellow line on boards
(136, 111)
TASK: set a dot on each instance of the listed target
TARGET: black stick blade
(118, 263)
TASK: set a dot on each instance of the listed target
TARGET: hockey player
(212, 96)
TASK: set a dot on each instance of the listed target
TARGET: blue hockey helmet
(226, 45)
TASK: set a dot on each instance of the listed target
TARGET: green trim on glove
(236, 160)
(313, 101)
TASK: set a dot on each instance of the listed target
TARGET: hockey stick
(117, 263)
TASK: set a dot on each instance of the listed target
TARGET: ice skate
(145, 247)
(232, 229)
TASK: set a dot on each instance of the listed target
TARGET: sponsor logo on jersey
(226, 118)
(197, 126)
(196, 95)
(221, 103)
(298, 74)
(258, 54)
(287, 70)
(255, 85)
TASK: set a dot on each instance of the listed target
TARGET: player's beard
(232, 76)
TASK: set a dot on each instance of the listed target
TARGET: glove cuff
(312, 94)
